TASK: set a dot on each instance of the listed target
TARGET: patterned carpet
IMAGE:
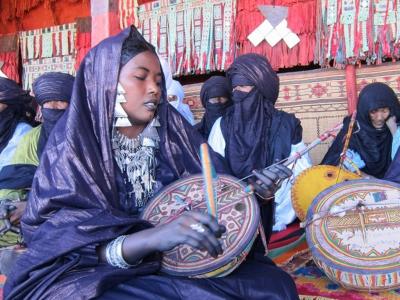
(312, 284)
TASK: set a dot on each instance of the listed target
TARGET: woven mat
(312, 284)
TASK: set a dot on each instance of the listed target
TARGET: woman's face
(379, 116)
(3, 106)
(141, 79)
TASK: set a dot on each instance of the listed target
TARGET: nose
(380, 116)
(154, 87)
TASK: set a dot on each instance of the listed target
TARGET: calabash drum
(309, 183)
(236, 210)
(353, 231)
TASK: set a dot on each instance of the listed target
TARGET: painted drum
(237, 210)
(353, 231)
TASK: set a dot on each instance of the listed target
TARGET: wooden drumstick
(209, 176)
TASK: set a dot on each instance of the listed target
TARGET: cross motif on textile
(274, 28)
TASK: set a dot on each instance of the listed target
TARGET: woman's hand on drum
(201, 231)
(269, 180)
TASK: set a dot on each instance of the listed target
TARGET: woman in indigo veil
(118, 144)
(374, 141)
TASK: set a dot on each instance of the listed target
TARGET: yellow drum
(313, 181)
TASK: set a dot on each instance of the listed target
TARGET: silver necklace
(136, 158)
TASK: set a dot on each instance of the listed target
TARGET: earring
(120, 94)
(120, 115)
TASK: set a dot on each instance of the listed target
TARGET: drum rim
(317, 254)
(235, 253)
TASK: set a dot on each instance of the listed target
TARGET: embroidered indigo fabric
(373, 145)
(76, 196)
(19, 109)
(215, 86)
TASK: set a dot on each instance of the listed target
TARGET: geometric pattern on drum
(237, 211)
(355, 234)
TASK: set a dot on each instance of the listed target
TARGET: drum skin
(309, 183)
(236, 210)
(353, 231)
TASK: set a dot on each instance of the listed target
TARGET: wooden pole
(351, 88)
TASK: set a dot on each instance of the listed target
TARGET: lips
(151, 105)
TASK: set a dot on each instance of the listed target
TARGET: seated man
(53, 92)
(253, 134)
(175, 98)
(370, 147)
(215, 96)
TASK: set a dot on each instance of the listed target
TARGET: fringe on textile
(195, 37)
(351, 31)
(301, 20)
(48, 42)
(127, 13)
(48, 49)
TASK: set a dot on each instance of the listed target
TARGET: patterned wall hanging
(47, 49)
(195, 36)
(358, 30)
(48, 42)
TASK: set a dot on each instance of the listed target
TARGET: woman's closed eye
(141, 78)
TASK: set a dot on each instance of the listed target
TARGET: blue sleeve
(396, 142)
(355, 158)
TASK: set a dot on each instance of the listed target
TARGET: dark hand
(201, 231)
(269, 180)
